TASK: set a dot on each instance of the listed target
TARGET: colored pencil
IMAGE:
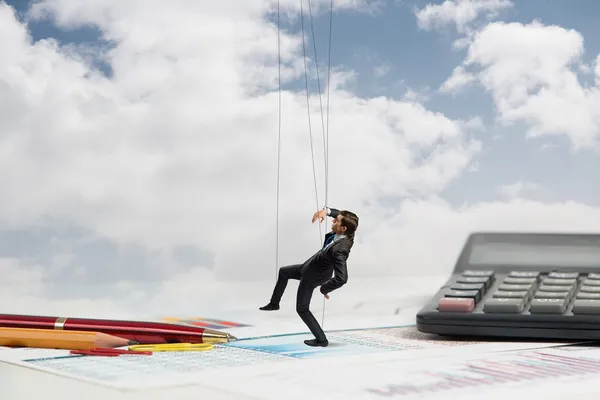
(68, 340)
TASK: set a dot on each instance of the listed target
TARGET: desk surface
(389, 305)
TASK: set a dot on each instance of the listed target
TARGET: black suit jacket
(319, 268)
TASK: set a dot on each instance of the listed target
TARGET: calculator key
(563, 275)
(552, 295)
(471, 294)
(551, 306)
(590, 289)
(456, 304)
(561, 282)
(514, 288)
(519, 281)
(510, 295)
(468, 286)
(478, 273)
(503, 305)
(588, 296)
(487, 281)
(591, 282)
(593, 275)
(555, 288)
(586, 307)
(524, 274)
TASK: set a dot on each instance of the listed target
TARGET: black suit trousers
(303, 297)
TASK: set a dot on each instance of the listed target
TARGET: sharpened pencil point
(133, 343)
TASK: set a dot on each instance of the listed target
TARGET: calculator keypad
(523, 291)
(468, 290)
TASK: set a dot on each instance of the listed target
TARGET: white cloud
(531, 72)
(178, 147)
(459, 79)
(520, 189)
(381, 70)
(461, 13)
(425, 237)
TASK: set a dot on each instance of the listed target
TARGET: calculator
(520, 285)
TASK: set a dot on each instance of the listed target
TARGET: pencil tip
(133, 342)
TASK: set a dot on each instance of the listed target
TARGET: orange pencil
(64, 339)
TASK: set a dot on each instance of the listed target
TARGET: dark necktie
(329, 240)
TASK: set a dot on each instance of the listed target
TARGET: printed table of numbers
(132, 370)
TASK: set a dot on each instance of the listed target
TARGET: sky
(142, 156)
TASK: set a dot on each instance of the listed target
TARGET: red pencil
(144, 332)
(107, 351)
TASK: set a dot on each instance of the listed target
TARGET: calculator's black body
(546, 253)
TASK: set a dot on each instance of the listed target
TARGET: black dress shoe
(270, 307)
(315, 342)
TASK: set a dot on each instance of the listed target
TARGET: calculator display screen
(518, 254)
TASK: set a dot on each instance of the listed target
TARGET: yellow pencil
(172, 347)
(60, 339)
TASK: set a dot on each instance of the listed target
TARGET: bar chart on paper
(508, 369)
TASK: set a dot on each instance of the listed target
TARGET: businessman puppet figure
(317, 270)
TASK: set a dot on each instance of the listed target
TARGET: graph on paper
(529, 367)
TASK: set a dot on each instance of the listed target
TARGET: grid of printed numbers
(126, 367)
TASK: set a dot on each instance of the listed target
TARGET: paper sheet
(251, 356)
(546, 373)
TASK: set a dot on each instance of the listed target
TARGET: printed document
(267, 355)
